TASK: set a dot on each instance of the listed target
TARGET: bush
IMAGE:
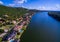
(0, 25)
(1, 30)
(18, 33)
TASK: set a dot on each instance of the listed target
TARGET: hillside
(13, 12)
(9, 14)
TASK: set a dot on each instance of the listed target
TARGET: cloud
(1, 2)
(20, 1)
(11, 5)
(17, 3)
(42, 7)
(56, 7)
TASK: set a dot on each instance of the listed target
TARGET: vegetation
(55, 15)
(1, 30)
(0, 39)
(8, 14)
(12, 12)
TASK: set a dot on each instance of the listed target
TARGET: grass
(17, 36)
(24, 28)
(0, 39)
(6, 27)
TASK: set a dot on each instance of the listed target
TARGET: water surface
(42, 28)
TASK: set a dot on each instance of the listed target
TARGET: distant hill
(55, 15)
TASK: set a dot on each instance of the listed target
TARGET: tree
(1, 30)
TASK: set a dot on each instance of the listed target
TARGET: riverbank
(29, 16)
(55, 15)
(16, 32)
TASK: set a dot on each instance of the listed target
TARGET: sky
(33, 4)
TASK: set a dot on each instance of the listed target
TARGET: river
(42, 28)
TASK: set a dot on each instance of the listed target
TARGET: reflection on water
(42, 28)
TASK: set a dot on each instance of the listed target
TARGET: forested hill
(12, 11)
